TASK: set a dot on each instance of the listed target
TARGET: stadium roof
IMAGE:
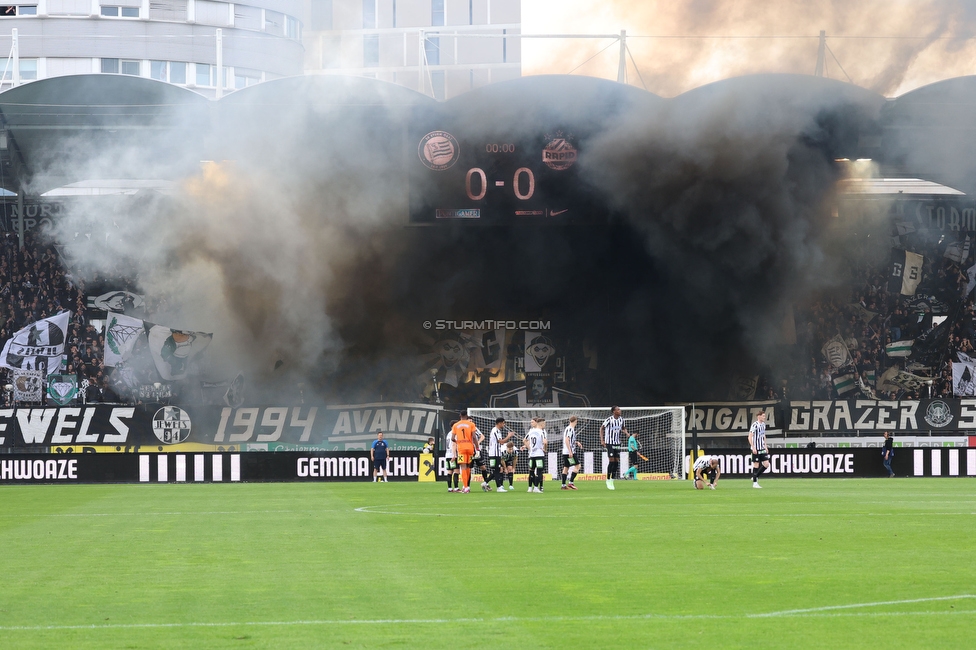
(56, 131)
(876, 187)
(90, 113)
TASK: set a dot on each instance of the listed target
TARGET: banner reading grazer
(253, 428)
(833, 416)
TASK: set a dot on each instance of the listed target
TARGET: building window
(292, 28)
(369, 14)
(320, 18)
(157, 70)
(274, 23)
(124, 12)
(172, 10)
(204, 76)
(110, 66)
(371, 50)
(28, 69)
(177, 72)
(130, 68)
(18, 10)
(437, 13)
(504, 47)
(432, 50)
(437, 83)
(471, 12)
(244, 77)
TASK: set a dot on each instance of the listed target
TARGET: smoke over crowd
(289, 240)
(890, 48)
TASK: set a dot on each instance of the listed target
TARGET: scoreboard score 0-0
(495, 179)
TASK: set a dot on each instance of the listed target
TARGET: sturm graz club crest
(938, 414)
(439, 150)
(171, 425)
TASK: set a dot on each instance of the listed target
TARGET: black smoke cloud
(294, 245)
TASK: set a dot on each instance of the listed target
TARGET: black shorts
(494, 461)
(760, 457)
(509, 460)
(570, 461)
(451, 463)
(613, 451)
(379, 463)
(477, 461)
(710, 474)
(538, 462)
(634, 458)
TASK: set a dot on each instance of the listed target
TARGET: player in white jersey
(706, 466)
(496, 445)
(610, 436)
(535, 442)
(570, 462)
(450, 457)
(757, 442)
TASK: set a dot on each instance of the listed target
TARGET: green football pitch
(800, 563)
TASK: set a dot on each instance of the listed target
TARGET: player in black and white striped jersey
(757, 443)
(610, 436)
(496, 443)
(706, 466)
(570, 459)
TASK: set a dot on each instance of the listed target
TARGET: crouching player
(509, 456)
(706, 467)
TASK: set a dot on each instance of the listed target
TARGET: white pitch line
(828, 611)
(791, 612)
(630, 515)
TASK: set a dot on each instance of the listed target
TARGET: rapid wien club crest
(559, 153)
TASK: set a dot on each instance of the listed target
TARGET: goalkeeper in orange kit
(464, 434)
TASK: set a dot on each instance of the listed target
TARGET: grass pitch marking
(827, 611)
(372, 510)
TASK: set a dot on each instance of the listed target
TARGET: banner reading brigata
(863, 416)
(251, 428)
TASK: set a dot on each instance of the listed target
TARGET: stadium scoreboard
(458, 175)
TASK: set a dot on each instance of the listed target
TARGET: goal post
(660, 432)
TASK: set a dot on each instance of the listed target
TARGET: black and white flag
(39, 346)
(964, 376)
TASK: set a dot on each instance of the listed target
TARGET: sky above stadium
(890, 46)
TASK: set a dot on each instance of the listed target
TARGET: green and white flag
(174, 351)
(121, 334)
(899, 348)
(62, 389)
(845, 383)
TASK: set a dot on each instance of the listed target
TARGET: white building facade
(439, 47)
(170, 40)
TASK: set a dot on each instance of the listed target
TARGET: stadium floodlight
(660, 431)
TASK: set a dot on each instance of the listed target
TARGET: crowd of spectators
(870, 312)
(34, 284)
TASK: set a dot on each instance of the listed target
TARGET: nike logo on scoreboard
(553, 213)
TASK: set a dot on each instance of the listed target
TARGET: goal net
(660, 432)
